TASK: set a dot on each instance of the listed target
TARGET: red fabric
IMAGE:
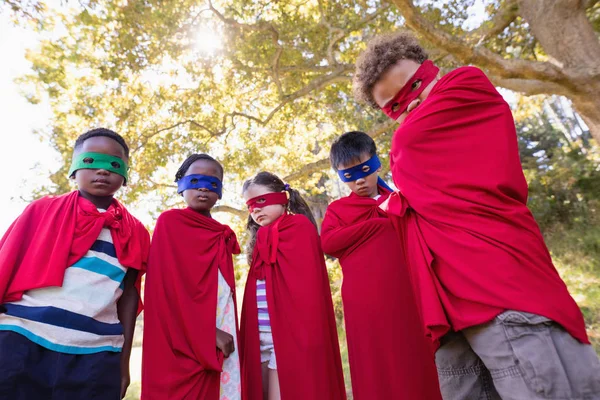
(390, 358)
(180, 355)
(398, 105)
(288, 256)
(54, 232)
(474, 247)
(267, 199)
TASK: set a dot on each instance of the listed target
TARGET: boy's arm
(127, 310)
(337, 240)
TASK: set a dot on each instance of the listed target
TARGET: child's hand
(225, 342)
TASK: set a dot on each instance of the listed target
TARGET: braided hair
(192, 159)
(296, 204)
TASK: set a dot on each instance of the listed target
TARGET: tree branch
(163, 185)
(316, 84)
(479, 55)
(315, 68)
(258, 27)
(334, 39)
(336, 34)
(145, 138)
(322, 164)
(228, 209)
(276, 59)
(370, 17)
(263, 26)
(503, 17)
(307, 170)
(530, 87)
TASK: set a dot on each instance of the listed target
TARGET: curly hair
(383, 52)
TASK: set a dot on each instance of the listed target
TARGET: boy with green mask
(70, 267)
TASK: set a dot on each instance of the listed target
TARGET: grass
(134, 391)
(576, 254)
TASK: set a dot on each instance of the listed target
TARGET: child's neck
(102, 202)
(373, 195)
(205, 213)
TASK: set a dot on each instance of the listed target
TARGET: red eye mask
(411, 90)
(267, 199)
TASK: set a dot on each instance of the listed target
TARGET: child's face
(363, 187)
(202, 200)
(390, 83)
(263, 215)
(100, 182)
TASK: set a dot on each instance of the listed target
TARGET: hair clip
(286, 187)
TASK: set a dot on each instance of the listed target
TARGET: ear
(380, 168)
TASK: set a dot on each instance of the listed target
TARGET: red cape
(475, 249)
(390, 358)
(180, 355)
(288, 256)
(54, 232)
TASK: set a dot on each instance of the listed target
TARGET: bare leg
(265, 379)
(274, 393)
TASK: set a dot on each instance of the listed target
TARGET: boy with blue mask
(388, 353)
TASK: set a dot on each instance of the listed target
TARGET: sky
(25, 160)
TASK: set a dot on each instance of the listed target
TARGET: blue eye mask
(361, 170)
(197, 181)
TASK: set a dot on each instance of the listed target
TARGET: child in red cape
(289, 342)
(68, 271)
(189, 354)
(390, 357)
(488, 291)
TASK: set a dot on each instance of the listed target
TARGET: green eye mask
(99, 161)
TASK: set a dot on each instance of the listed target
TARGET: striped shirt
(80, 317)
(264, 325)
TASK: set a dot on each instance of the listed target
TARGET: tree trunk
(565, 33)
(563, 30)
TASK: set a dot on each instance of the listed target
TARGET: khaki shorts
(517, 356)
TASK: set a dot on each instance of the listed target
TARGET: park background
(265, 85)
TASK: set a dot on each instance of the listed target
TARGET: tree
(561, 168)
(529, 46)
(28, 12)
(271, 96)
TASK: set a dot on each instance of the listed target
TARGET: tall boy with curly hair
(487, 290)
